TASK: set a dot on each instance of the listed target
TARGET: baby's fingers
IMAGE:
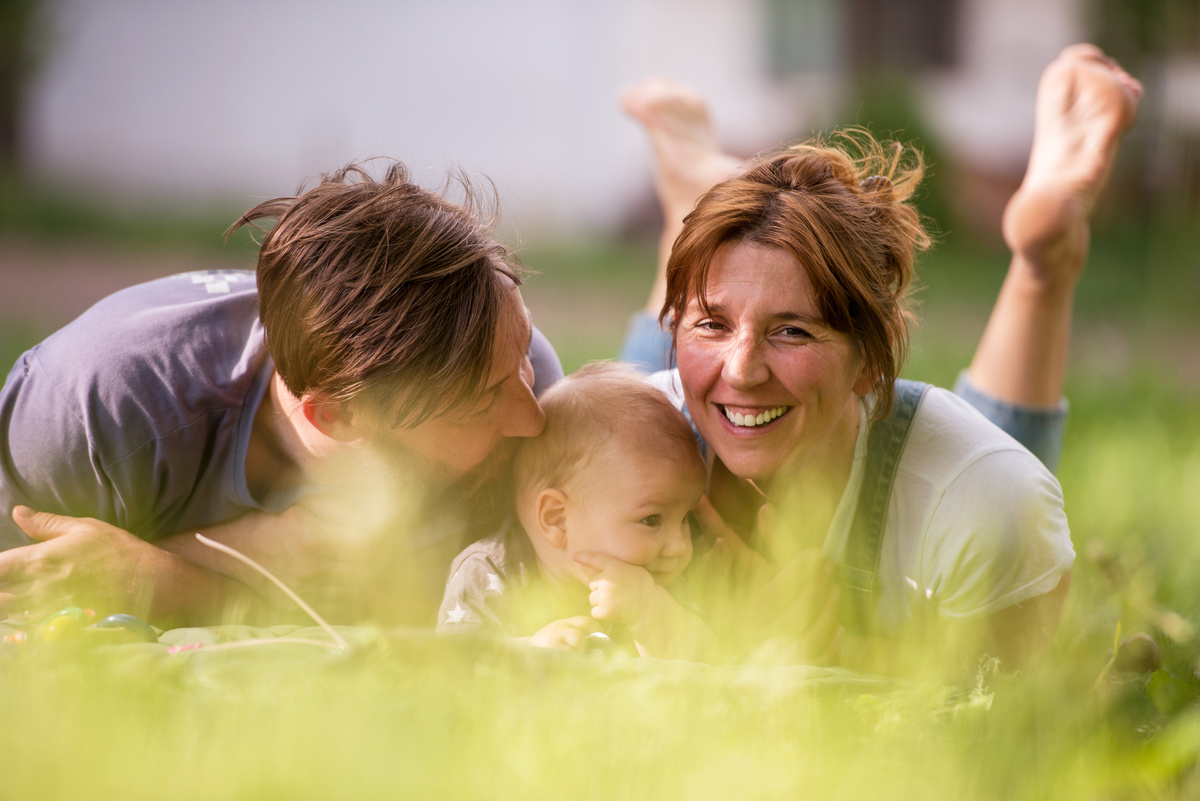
(570, 640)
(599, 598)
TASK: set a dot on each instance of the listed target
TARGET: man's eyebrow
(528, 344)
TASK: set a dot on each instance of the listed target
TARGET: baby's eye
(653, 521)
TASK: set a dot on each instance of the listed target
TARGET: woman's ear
(550, 516)
(864, 383)
(333, 418)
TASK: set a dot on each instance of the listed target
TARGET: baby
(603, 497)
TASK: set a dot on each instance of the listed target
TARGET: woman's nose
(745, 365)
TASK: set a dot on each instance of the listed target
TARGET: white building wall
(984, 109)
(245, 97)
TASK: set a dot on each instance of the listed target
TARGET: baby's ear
(550, 516)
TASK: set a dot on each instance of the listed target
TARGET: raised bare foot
(687, 159)
(1085, 104)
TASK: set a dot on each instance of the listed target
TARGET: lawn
(405, 715)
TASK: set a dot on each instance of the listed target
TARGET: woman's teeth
(751, 420)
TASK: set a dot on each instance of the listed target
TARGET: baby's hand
(620, 591)
(570, 634)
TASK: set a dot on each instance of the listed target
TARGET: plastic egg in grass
(63, 625)
(135, 629)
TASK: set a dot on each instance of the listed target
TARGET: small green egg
(139, 629)
(60, 627)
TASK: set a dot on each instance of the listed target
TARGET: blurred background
(132, 132)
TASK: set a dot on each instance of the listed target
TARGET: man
(381, 357)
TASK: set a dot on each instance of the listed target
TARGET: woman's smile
(750, 418)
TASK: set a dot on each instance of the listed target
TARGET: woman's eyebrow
(812, 318)
(800, 317)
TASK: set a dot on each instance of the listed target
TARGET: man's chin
(488, 474)
(410, 473)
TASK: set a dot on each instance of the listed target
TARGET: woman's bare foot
(687, 159)
(1085, 104)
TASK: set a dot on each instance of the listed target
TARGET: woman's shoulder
(949, 436)
(985, 516)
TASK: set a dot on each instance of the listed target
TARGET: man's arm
(87, 562)
(313, 554)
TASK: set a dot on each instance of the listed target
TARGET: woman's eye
(709, 325)
(793, 332)
(653, 521)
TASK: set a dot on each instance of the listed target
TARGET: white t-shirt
(975, 522)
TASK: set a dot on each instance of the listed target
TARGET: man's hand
(90, 563)
(570, 634)
(620, 591)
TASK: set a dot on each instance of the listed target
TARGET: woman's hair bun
(875, 183)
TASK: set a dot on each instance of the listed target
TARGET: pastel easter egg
(137, 627)
(60, 627)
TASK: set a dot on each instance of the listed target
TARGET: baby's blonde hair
(597, 406)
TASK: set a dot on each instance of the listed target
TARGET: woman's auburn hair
(842, 206)
(379, 288)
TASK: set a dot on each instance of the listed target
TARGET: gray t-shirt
(139, 412)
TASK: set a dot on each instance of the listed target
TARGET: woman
(784, 294)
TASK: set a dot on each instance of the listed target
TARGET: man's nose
(524, 416)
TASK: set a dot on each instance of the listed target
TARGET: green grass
(405, 715)
(54, 214)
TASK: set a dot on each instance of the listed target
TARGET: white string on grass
(241, 557)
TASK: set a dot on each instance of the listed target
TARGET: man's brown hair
(382, 289)
(843, 213)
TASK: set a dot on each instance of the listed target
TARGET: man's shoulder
(195, 310)
(193, 340)
(158, 362)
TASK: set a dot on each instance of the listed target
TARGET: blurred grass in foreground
(406, 715)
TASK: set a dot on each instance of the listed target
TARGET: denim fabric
(858, 574)
(647, 345)
(1038, 428)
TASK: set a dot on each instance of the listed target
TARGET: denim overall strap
(858, 574)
